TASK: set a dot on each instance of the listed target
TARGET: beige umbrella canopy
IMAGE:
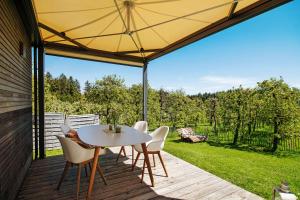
(132, 32)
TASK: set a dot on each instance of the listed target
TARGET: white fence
(53, 122)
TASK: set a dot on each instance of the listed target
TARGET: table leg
(146, 157)
(93, 172)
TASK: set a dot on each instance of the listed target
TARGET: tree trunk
(249, 128)
(238, 122)
(107, 116)
(275, 139)
(215, 125)
(254, 126)
(237, 128)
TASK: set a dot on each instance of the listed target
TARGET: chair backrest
(141, 126)
(73, 152)
(65, 128)
(160, 133)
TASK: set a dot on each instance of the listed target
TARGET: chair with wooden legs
(65, 128)
(74, 154)
(154, 147)
(141, 126)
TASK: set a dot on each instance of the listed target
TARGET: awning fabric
(131, 32)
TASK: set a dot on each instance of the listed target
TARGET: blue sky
(258, 49)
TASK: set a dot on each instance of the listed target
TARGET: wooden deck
(185, 181)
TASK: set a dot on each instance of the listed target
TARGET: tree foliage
(271, 105)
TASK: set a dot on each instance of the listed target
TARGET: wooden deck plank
(185, 181)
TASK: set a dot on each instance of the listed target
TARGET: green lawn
(256, 172)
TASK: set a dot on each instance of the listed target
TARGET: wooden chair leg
(67, 165)
(143, 171)
(78, 180)
(162, 162)
(146, 158)
(101, 174)
(137, 157)
(132, 155)
(85, 169)
(153, 160)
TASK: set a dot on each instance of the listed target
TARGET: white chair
(65, 128)
(74, 154)
(154, 147)
(141, 126)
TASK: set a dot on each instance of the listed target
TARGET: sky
(260, 48)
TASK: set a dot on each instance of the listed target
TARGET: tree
(153, 108)
(162, 105)
(87, 87)
(111, 93)
(213, 104)
(135, 112)
(176, 111)
(280, 107)
(271, 110)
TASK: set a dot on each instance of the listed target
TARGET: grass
(54, 152)
(257, 172)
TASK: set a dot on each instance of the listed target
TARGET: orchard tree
(280, 106)
(176, 109)
(110, 92)
(135, 111)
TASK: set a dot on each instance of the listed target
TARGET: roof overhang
(91, 54)
(142, 43)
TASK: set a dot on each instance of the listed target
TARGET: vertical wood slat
(15, 101)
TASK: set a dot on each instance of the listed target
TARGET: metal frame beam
(232, 8)
(136, 51)
(41, 102)
(145, 91)
(35, 106)
(62, 35)
(93, 52)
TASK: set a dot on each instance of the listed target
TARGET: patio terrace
(185, 181)
(28, 32)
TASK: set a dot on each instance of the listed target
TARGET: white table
(98, 136)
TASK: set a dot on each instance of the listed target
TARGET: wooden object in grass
(188, 135)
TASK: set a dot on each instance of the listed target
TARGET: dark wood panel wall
(15, 101)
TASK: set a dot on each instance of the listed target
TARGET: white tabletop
(97, 136)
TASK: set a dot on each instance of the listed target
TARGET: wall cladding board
(54, 121)
(15, 101)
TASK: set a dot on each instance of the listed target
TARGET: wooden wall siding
(53, 122)
(15, 101)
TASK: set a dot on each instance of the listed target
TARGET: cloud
(219, 83)
(209, 84)
(227, 80)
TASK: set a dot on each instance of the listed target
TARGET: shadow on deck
(185, 181)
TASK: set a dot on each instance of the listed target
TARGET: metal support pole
(145, 91)
(36, 141)
(41, 102)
